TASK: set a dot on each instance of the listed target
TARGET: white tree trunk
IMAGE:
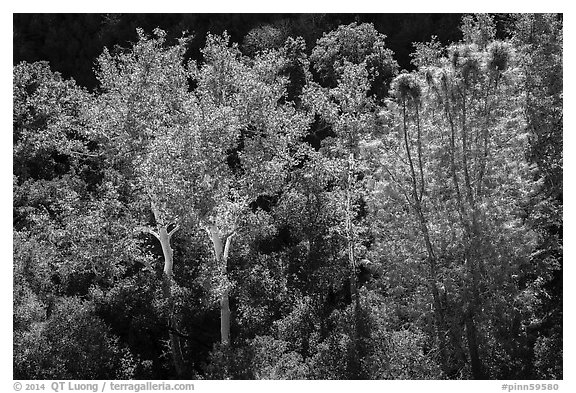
(164, 237)
(221, 246)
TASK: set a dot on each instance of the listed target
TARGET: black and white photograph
(287, 196)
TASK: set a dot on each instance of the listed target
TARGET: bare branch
(404, 192)
(227, 246)
(155, 211)
(147, 230)
(229, 233)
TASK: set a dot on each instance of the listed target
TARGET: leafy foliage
(355, 44)
(73, 343)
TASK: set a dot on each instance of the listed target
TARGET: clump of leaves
(499, 56)
(405, 87)
(262, 38)
(466, 59)
(72, 344)
(355, 44)
(273, 360)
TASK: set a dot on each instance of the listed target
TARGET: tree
(263, 38)
(50, 135)
(142, 117)
(355, 44)
(464, 174)
(72, 343)
(539, 39)
(62, 244)
(201, 157)
(407, 91)
(253, 151)
(347, 110)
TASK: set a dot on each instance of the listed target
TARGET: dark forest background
(72, 42)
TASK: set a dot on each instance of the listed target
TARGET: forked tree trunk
(167, 276)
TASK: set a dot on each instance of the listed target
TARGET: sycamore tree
(248, 141)
(200, 157)
(143, 118)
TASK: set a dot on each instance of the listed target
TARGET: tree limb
(227, 246)
(401, 187)
(155, 211)
(147, 230)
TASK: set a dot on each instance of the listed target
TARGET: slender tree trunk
(439, 314)
(472, 260)
(420, 161)
(453, 171)
(221, 245)
(465, 153)
(167, 251)
(167, 276)
(225, 319)
(471, 337)
(350, 232)
(485, 135)
(469, 224)
(355, 369)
